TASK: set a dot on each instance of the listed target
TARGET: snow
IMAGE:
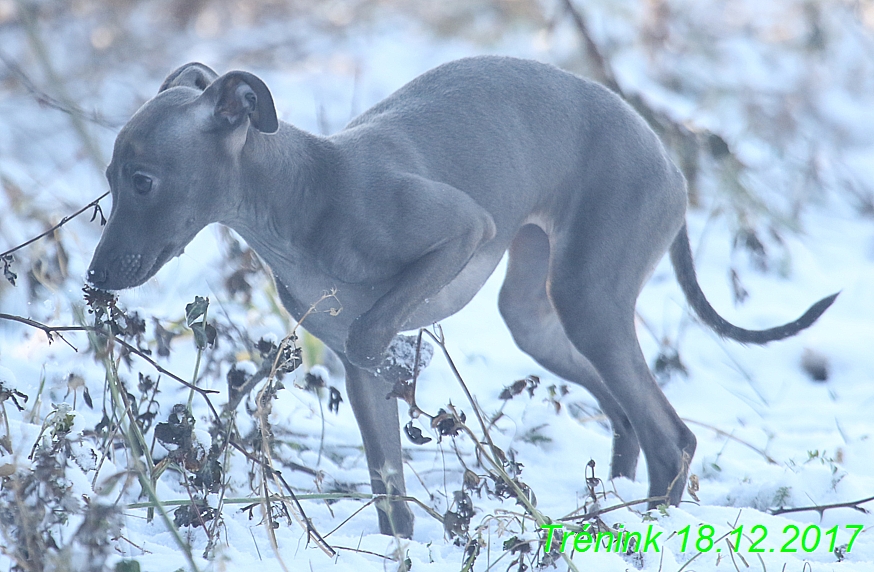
(742, 71)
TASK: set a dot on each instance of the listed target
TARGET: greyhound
(408, 210)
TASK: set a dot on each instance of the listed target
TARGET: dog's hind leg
(599, 263)
(535, 326)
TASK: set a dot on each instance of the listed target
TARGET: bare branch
(93, 204)
(44, 98)
(824, 507)
(733, 438)
(601, 69)
(50, 330)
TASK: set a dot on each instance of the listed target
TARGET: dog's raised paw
(365, 346)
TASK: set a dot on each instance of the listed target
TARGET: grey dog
(408, 210)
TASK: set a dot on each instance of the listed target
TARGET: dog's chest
(323, 305)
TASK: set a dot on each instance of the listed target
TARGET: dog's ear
(194, 75)
(239, 95)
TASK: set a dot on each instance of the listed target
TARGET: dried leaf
(334, 400)
(513, 390)
(403, 390)
(446, 424)
(178, 428)
(193, 514)
(9, 274)
(314, 382)
(98, 210)
(204, 334)
(414, 434)
(236, 378)
(195, 309)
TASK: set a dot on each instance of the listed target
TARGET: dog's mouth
(168, 252)
(130, 270)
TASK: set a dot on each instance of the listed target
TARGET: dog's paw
(400, 361)
(366, 346)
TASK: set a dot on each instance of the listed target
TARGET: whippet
(408, 210)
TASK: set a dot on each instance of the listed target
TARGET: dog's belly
(332, 328)
(355, 299)
(455, 295)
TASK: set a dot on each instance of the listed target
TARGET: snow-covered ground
(798, 118)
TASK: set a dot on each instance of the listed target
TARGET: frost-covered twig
(821, 508)
(597, 513)
(49, 330)
(93, 204)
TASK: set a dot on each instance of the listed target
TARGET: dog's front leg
(461, 231)
(377, 418)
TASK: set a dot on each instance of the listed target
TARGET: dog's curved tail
(684, 268)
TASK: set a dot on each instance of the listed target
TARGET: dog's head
(172, 168)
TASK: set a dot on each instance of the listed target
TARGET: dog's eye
(142, 183)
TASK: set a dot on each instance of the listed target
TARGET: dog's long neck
(290, 181)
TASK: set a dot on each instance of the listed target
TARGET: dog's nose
(97, 277)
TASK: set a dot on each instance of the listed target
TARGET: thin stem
(470, 398)
(49, 330)
(520, 495)
(197, 361)
(168, 522)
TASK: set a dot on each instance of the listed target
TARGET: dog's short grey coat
(407, 211)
